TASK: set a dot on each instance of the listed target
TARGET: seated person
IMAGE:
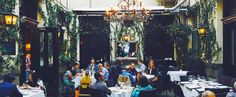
(138, 75)
(67, 78)
(160, 81)
(32, 81)
(143, 85)
(92, 66)
(107, 66)
(132, 69)
(75, 69)
(141, 66)
(151, 68)
(7, 88)
(86, 80)
(208, 94)
(116, 70)
(126, 73)
(232, 93)
(99, 84)
(103, 70)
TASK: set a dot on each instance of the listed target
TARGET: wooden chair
(84, 90)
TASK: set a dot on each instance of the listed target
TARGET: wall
(72, 4)
(219, 28)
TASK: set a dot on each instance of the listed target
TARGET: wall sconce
(27, 47)
(10, 19)
(202, 30)
(126, 37)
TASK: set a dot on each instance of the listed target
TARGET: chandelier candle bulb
(131, 10)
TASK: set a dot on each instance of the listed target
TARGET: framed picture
(126, 50)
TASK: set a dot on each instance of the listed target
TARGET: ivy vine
(50, 17)
(8, 34)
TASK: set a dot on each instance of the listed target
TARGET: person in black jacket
(151, 68)
(7, 88)
(100, 85)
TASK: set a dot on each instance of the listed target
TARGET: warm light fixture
(126, 37)
(201, 30)
(128, 10)
(10, 19)
(27, 46)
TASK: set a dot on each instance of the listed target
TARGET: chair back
(148, 93)
(124, 79)
(177, 90)
(96, 93)
(84, 88)
(110, 83)
(184, 78)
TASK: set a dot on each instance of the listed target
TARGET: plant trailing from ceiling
(8, 34)
(179, 35)
(206, 12)
(51, 17)
(74, 39)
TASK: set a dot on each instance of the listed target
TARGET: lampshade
(10, 19)
(126, 37)
(201, 30)
(28, 47)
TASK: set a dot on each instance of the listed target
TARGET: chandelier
(128, 10)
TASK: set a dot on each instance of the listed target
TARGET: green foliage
(8, 34)
(211, 47)
(53, 11)
(135, 29)
(74, 39)
(7, 6)
(179, 35)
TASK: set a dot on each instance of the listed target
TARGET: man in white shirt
(141, 66)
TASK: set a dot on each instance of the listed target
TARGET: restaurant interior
(117, 48)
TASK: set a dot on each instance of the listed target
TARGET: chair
(124, 79)
(177, 90)
(219, 92)
(84, 90)
(225, 80)
(184, 78)
(96, 93)
(148, 93)
(110, 83)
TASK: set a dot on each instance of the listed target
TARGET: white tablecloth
(118, 92)
(189, 92)
(196, 87)
(175, 75)
(32, 92)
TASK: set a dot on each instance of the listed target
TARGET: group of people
(8, 87)
(134, 72)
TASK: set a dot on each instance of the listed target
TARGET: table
(149, 76)
(196, 87)
(32, 92)
(118, 92)
(175, 75)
